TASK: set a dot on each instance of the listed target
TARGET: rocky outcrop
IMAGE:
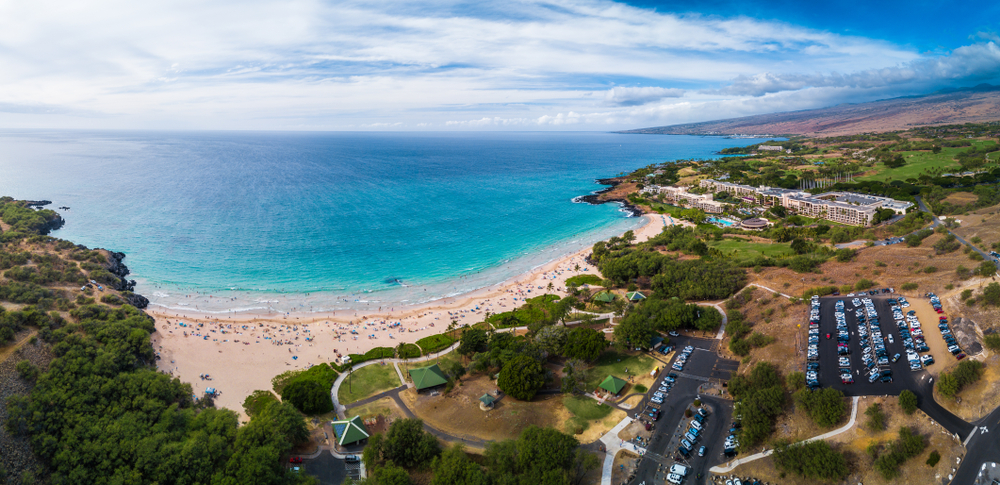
(116, 267)
(596, 199)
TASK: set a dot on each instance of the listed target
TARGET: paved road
(983, 447)
(921, 382)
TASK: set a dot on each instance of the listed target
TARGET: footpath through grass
(367, 381)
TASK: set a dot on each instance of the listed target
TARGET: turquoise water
(716, 220)
(322, 221)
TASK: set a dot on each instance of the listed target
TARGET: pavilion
(350, 431)
(427, 377)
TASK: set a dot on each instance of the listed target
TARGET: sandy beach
(242, 352)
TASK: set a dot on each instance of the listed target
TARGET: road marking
(983, 429)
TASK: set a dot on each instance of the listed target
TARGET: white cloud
(310, 64)
(626, 96)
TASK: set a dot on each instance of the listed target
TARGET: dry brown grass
(457, 413)
(625, 462)
(778, 318)
(854, 442)
(961, 198)
(902, 265)
(983, 223)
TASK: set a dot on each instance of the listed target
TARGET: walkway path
(613, 444)
(768, 289)
(334, 391)
(5, 353)
(725, 319)
(739, 461)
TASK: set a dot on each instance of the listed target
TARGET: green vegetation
(933, 459)
(614, 363)
(586, 408)
(375, 354)
(585, 344)
(889, 458)
(257, 401)
(101, 397)
(583, 279)
(992, 341)
(405, 444)
(816, 460)
(908, 401)
(737, 330)
(876, 418)
(366, 381)
(653, 314)
(521, 378)
(825, 406)
(760, 399)
(408, 351)
(536, 312)
(435, 343)
(951, 383)
(750, 250)
(909, 286)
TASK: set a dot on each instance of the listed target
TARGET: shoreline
(243, 351)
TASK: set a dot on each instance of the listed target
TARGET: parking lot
(703, 365)
(919, 381)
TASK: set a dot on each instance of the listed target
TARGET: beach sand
(242, 352)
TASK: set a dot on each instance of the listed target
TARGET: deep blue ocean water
(319, 221)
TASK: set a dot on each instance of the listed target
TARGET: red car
(828, 336)
(960, 356)
(295, 459)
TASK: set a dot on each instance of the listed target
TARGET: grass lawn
(917, 162)
(586, 408)
(435, 343)
(751, 249)
(405, 367)
(368, 381)
(614, 363)
(583, 279)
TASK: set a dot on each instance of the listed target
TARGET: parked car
(701, 451)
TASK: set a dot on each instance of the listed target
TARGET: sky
(451, 66)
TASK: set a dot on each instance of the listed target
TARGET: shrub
(739, 346)
(27, 370)
(521, 378)
(930, 269)
(933, 459)
(864, 284)
(433, 343)
(876, 418)
(909, 286)
(967, 372)
(908, 401)
(816, 460)
(907, 446)
(966, 294)
(640, 388)
(825, 406)
(992, 341)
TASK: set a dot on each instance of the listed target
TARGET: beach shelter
(425, 377)
(635, 296)
(486, 402)
(350, 431)
(613, 384)
(605, 297)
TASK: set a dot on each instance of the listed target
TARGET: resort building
(841, 207)
(680, 195)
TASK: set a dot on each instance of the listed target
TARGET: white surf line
(739, 461)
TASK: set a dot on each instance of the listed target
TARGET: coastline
(243, 351)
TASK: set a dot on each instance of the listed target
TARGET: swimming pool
(716, 220)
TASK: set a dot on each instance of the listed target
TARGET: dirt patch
(983, 223)
(775, 317)
(378, 415)
(977, 400)
(457, 413)
(887, 266)
(961, 198)
(16, 456)
(624, 466)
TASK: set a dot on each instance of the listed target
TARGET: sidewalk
(612, 445)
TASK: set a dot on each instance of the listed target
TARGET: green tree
(473, 340)
(825, 406)
(257, 401)
(27, 370)
(552, 339)
(816, 460)
(521, 378)
(308, 396)
(908, 401)
(585, 344)
(876, 418)
(453, 466)
(389, 474)
(408, 445)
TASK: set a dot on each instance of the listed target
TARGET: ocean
(239, 221)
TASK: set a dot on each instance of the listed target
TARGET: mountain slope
(969, 105)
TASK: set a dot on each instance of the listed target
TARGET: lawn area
(583, 279)
(409, 351)
(614, 363)
(746, 249)
(586, 408)
(448, 358)
(367, 381)
(435, 343)
(917, 162)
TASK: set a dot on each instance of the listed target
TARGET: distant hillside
(967, 105)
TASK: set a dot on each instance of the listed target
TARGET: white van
(679, 469)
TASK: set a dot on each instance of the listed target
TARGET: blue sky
(449, 65)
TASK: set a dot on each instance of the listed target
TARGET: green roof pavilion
(425, 377)
(613, 384)
(605, 297)
(635, 296)
(487, 399)
(350, 431)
